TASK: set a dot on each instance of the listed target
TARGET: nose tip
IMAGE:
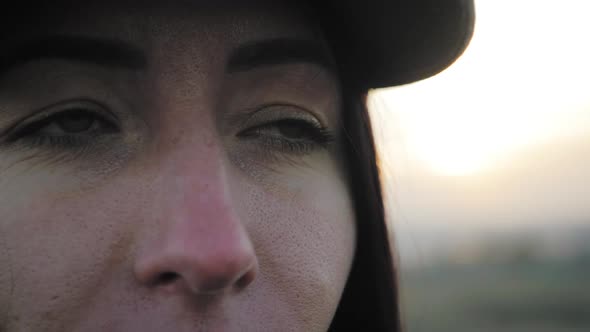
(231, 267)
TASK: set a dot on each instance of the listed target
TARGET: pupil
(75, 122)
(291, 130)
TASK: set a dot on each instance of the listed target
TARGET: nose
(200, 266)
(201, 246)
(203, 264)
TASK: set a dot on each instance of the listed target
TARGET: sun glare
(520, 82)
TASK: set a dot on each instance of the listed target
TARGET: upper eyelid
(277, 112)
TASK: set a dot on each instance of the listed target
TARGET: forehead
(225, 21)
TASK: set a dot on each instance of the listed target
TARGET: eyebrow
(105, 52)
(279, 51)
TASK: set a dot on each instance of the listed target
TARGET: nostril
(243, 282)
(246, 279)
(166, 278)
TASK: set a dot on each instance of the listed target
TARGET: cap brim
(383, 43)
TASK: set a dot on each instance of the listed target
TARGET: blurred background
(487, 176)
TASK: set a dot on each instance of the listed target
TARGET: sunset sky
(501, 138)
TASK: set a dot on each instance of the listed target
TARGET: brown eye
(76, 126)
(74, 122)
(292, 129)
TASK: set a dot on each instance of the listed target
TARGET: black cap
(381, 43)
(377, 43)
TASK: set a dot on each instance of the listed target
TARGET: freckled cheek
(59, 252)
(305, 239)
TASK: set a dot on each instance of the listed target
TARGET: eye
(293, 129)
(74, 121)
(290, 135)
(74, 126)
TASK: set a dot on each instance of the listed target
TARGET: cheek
(61, 251)
(305, 238)
(57, 252)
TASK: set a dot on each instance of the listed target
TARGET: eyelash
(312, 135)
(315, 136)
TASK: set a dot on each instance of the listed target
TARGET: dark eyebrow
(112, 53)
(279, 51)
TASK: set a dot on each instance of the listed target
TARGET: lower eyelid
(61, 142)
(275, 146)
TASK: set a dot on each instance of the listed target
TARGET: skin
(177, 219)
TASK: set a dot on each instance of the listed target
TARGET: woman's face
(172, 167)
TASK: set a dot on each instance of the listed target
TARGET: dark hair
(370, 298)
